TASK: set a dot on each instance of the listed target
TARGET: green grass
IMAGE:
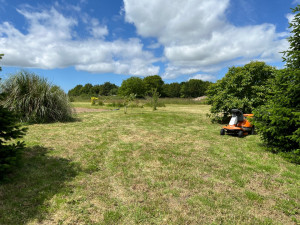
(144, 101)
(170, 166)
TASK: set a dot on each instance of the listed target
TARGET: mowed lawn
(170, 166)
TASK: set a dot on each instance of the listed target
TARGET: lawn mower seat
(238, 114)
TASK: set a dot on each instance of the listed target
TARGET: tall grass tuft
(35, 99)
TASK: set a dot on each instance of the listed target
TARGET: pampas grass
(35, 99)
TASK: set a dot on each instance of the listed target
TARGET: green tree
(133, 85)
(10, 129)
(172, 90)
(152, 82)
(292, 55)
(95, 90)
(242, 87)
(106, 88)
(278, 120)
(76, 91)
(155, 96)
(194, 88)
(87, 89)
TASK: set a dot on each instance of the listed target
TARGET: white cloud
(296, 2)
(197, 36)
(52, 43)
(97, 30)
(154, 46)
(204, 77)
(290, 16)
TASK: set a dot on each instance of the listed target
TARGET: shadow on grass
(24, 197)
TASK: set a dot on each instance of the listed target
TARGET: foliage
(194, 88)
(86, 89)
(106, 89)
(242, 87)
(35, 99)
(1, 55)
(127, 100)
(10, 129)
(278, 121)
(171, 90)
(76, 91)
(10, 153)
(153, 82)
(93, 100)
(133, 85)
(292, 55)
(155, 96)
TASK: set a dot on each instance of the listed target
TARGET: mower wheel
(252, 130)
(222, 131)
(240, 133)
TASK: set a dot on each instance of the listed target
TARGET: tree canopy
(242, 87)
(153, 82)
(194, 88)
(291, 56)
(133, 85)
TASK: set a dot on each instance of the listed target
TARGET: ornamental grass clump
(35, 99)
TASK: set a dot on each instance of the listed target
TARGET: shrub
(93, 100)
(35, 99)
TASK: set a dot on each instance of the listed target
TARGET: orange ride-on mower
(238, 124)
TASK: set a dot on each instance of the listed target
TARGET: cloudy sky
(93, 41)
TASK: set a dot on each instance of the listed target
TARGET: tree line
(144, 87)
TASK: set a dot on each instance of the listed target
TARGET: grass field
(169, 166)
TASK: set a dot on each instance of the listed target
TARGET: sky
(73, 42)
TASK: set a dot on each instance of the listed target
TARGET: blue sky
(94, 41)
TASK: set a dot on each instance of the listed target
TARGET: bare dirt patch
(83, 110)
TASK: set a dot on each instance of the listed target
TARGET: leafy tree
(172, 90)
(76, 91)
(152, 82)
(106, 88)
(242, 87)
(35, 99)
(87, 89)
(10, 129)
(133, 85)
(155, 96)
(194, 88)
(95, 90)
(292, 55)
(127, 100)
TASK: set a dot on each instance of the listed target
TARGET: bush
(35, 99)
(94, 100)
